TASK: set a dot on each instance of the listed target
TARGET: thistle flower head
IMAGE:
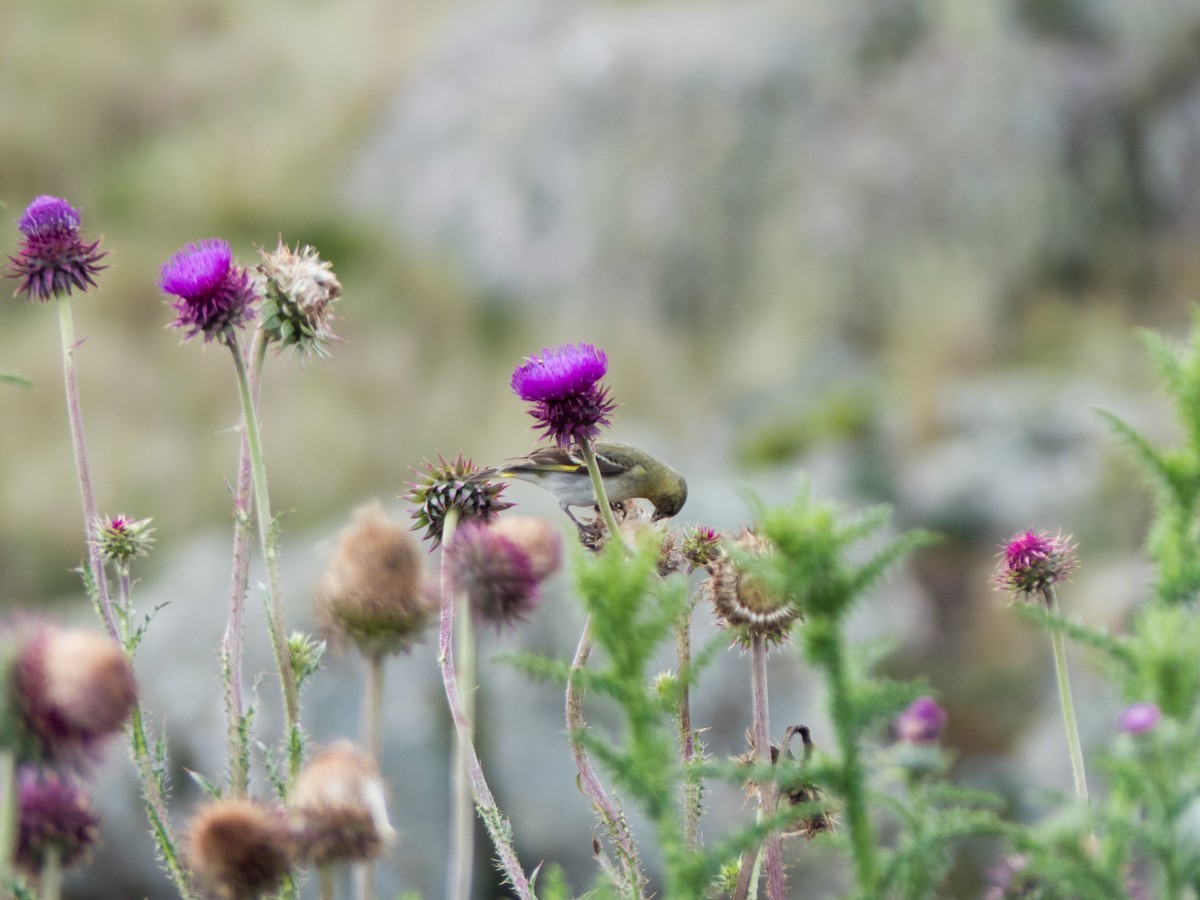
(53, 259)
(1032, 562)
(457, 485)
(1138, 718)
(239, 848)
(743, 601)
(373, 593)
(500, 567)
(299, 292)
(212, 294)
(53, 815)
(121, 538)
(562, 383)
(921, 723)
(72, 688)
(338, 808)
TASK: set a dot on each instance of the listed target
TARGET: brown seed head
(743, 601)
(338, 807)
(373, 593)
(239, 848)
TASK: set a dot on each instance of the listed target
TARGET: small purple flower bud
(921, 723)
(213, 295)
(1035, 561)
(1139, 718)
(53, 814)
(562, 383)
(53, 260)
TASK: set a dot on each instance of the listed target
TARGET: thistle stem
(266, 534)
(767, 793)
(50, 883)
(1074, 747)
(462, 825)
(687, 738)
(373, 738)
(325, 879)
(82, 469)
(497, 826)
(593, 467)
(231, 641)
(8, 815)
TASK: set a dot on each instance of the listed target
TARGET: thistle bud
(240, 849)
(338, 808)
(373, 594)
(121, 539)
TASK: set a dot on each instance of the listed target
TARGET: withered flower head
(373, 593)
(240, 849)
(338, 808)
(72, 688)
(500, 567)
(457, 485)
(799, 791)
(743, 601)
(298, 299)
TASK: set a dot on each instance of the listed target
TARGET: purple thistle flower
(1034, 561)
(52, 814)
(53, 260)
(1139, 718)
(501, 567)
(562, 383)
(921, 723)
(212, 294)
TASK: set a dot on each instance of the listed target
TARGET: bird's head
(670, 495)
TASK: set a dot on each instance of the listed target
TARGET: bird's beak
(658, 516)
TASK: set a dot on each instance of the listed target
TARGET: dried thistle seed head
(799, 792)
(299, 293)
(53, 816)
(338, 808)
(743, 602)
(373, 594)
(240, 849)
(74, 688)
(452, 485)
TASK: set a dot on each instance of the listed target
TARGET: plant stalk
(768, 793)
(1074, 747)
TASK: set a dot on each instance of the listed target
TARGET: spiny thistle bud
(562, 383)
(306, 654)
(240, 849)
(500, 567)
(1033, 562)
(53, 816)
(338, 808)
(72, 689)
(701, 546)
(121, 539)
(743, 601)
(213, 296)
(453, 485)
(298, 299)
(53, 260)
(373, 593)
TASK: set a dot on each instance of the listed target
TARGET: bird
(627, 473)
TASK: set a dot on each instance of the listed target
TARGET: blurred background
(898, 248)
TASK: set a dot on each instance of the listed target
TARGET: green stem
(692, 787)
(8, 815)
(589, 457)
(325, 877)
(462, 808)
(1074, 747)
(767, 793)
(842, 705)
(266, 535)
(50, 882)
(82, 469)
(231, 642)
(373, 737)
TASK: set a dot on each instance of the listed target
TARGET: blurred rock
(705, 160)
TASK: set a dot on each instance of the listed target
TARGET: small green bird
(627, 473)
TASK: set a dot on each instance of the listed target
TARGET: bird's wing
(611, 458)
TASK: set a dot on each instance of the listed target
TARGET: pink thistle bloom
(212, 294)
(1035, 561)
(563, 384)
(53, 260)
(1139, 718)
(921, 723)
(501, 567)
(53, 816)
